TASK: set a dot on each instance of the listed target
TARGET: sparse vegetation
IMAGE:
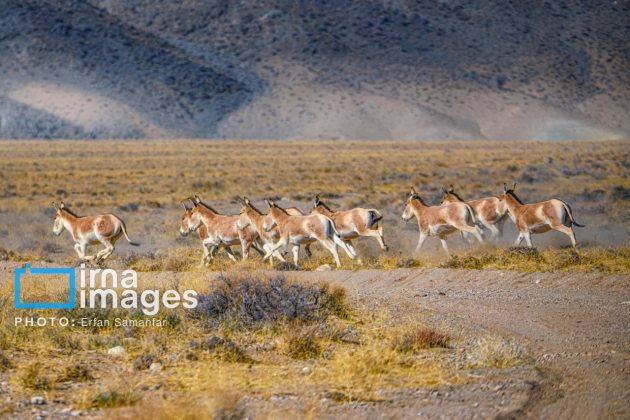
(257, 335)
(253, 334)
(35, 376)
(376, 173)
(492, 352)
(420, 338)
(302, 343)
(248, 300)
(613, 259)
(113, 397)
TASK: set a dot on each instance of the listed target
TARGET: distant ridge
(315, 69)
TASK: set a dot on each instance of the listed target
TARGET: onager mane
(511, 193)
(321, 203)
(70, 212)
(453, 193)
(251, 206)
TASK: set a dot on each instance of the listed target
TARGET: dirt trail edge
(576, 327)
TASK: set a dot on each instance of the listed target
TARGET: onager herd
(268, 233)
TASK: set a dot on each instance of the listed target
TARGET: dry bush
(420, 338)
(76, 372)
(531, 259)
(213, 403)
(302, 343)
(35, 376)
(223, 349)
(5, 362)
(113, 396)
(495, 353)
(249, 300)
(144, 361)
(61, 339)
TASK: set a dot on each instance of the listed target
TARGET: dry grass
(144, 181)
(493, 352)
(330, 350)
(612, 259)
(255, 347)
(420, 338)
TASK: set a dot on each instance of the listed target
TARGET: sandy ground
(575, 327)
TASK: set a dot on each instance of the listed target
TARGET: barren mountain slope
(285, 69)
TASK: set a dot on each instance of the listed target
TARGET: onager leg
(105, 253)
(567, 231)
(528, 238)
(332, 247)
(350, 247)
(82, 248)
(307, 249)
(472, 230)
(206, 255)
(354, 251)
(444, 245)
(77, 249)
(494, 232)
(343, 244)
(257, 246)
(230, 253)
(296, 254)
(379, 237)
(421, 239)
(465, 238)
(281, 242)
(245, 249)
(268, 247)
(519, 239)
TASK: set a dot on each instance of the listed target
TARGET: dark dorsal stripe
(321, 203)
(511, 193)
(70, 212)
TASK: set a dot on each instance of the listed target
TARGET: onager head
(450, 196)
(508, 194)
(409, 204)
(320, 207)
(190, 220)
(274, 212)
(245, 214)
(60, 217)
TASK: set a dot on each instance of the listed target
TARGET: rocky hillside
(315, 69)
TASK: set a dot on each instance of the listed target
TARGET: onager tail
(124, 229)
(473, 219)
(373, 218)
(570, 214)
(471, 212)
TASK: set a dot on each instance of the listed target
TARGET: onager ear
(413, 191)
(451, 189)
(514, 186)
(444, 190)
(63, 205)
(197, 199)
(270, 203)
(246, 200)
(194, 203)
(185, 206)
(317, 200)
(505, 188)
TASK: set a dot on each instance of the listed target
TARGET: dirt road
(575, 329)
(575, 326)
